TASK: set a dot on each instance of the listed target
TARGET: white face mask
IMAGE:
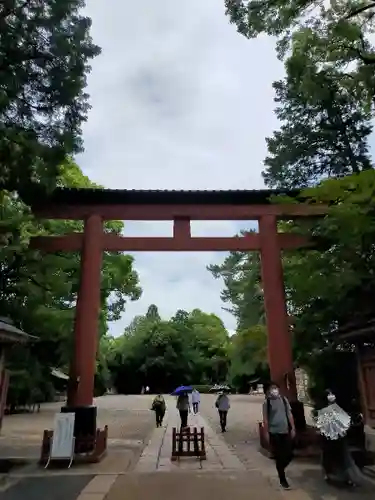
(331, 398)
(274, 393)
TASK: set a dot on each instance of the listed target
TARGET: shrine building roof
(95, 196)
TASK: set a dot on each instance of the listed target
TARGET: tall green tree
(45, 50)
(331, 287)
(39, 291)
(324, 130)
(248, 357)
(338, 22)
(243, 292)
(152, 313)
(336, 35)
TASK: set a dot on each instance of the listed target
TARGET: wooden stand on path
(195, 443)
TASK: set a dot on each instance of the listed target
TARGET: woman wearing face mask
(333, 423)
(279, 429)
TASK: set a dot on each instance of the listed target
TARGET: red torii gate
(94, 206)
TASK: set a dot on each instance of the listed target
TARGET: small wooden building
(60, 382)
(9, 335)
(362, 335)
(366, 369)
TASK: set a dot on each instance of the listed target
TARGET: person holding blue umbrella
(183, 404)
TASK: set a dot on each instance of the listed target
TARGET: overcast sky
(179, 101)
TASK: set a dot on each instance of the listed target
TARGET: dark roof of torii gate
(83, 196)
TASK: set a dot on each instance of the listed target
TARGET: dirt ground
(129, 421)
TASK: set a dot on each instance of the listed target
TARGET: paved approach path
(221, 476)
(138, 465)
(242, 438)
(157, 454)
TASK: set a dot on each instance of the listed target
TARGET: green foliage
(45, 50)
(326, 288)
(245, 296)
(343, 25)
(332, 286)
(190, 348)
(324, 131)
(248, 356)
(325, 107)
(342, 380)
(39, 291)
(152, 313)
(243, 291)
(336, 38)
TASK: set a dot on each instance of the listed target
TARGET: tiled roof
(9, 333)
(122, 196)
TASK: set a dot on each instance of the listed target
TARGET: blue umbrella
(182, 389)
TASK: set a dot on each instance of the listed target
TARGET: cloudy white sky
(179, 101)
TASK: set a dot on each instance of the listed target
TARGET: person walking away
(195, 399)
(183, 408)
(333, 424)
(279, 429)
(159, 407)
(223, 405)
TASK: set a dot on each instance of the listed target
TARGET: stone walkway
(149, 479)
(157, 454)
(221, 476)
(138, 464)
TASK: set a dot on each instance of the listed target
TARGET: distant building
(9, 335)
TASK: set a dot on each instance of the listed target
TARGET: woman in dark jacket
(159, 407)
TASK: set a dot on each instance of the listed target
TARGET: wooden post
(87, 315)
(280, 354)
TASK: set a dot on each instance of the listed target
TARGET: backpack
(286, 411)
(158, 403)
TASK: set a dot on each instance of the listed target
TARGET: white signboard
(63, 436)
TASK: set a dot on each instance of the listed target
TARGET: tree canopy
(337, 34)
(324, 132)
(325, 106)
(39, 294)
(45, 51)
(325, 109)
(190, 348)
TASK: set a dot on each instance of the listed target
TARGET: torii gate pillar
(87, 315)
(83, 364)
(280, 355)
(280, 346)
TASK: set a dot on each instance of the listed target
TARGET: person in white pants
(195, 399)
